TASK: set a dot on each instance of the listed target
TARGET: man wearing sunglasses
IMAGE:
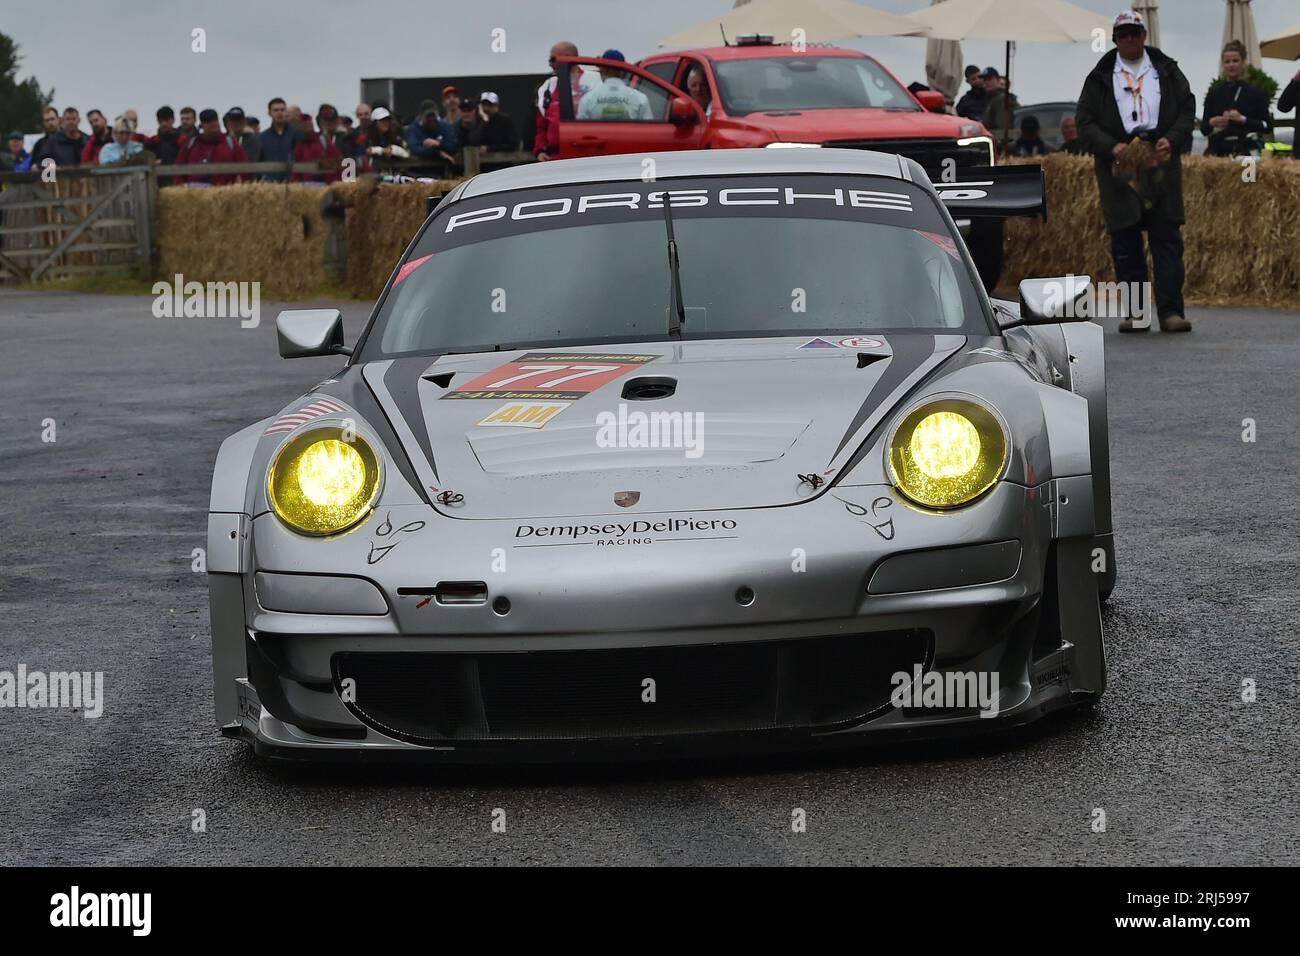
(546, 143)
(1137, 93)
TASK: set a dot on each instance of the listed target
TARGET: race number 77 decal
(557, 376)
(541, 370)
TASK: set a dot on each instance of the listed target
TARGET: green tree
(21, 103)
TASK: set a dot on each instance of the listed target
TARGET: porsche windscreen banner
(867, 199)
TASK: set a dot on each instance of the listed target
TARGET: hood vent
(649, 388)
(441, 379)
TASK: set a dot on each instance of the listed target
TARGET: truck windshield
(760, 256)
(775, 84)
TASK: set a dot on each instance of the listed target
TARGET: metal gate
(97, 220)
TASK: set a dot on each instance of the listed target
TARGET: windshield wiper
(677, 318)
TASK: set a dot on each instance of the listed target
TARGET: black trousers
(1166, 241)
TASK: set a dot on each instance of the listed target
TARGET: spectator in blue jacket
(431, 137)
(280, 139)
(123, 146)
(15, 159)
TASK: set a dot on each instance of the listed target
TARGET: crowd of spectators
(433, 139)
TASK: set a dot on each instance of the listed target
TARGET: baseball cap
(208, 116)
(449, 89)
(14, 134)
(990, 71)
(490, 97)
(1129, 18)
(234, 112)
(613, 55)
(379, 113)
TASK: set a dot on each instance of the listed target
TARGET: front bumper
(838, 603)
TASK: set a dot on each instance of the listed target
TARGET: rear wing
(996, 192)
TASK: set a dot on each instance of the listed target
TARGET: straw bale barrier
(1242, 238)
(255, 232)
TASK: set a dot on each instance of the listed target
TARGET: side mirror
(1051, 301)
(306, 332)
(683, 112)
(932, 100)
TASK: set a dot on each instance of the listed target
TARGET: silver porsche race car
(654, 455)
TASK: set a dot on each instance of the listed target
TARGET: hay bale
(253, 232)
(382, 219)
(1240, 236)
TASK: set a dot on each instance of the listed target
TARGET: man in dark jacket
(43, 148)
(166, 145)
(70, 142)
(1070, 142)
(972, 104)
(280, 139)
(1290, 97)
(1136, 93)
(1000, 110)
(495, 131)
(1030, 142)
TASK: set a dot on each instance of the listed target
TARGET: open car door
(633, 112)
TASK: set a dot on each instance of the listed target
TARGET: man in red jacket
(210, 146)
(100, 136)
(319, 146)
(546, 143)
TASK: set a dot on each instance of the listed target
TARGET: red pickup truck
(758, 93)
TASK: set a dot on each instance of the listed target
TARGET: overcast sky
(115, 54)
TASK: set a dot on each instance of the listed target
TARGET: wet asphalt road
(96, 533)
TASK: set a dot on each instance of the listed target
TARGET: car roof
(757, 51)
(681, 164)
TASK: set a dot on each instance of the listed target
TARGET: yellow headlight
(947, 453)
(320, 484)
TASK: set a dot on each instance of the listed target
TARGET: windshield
(759, 256)
(808, 83)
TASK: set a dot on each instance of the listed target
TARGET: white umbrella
(817, 21)
(1284, 46)
(943, 65)
(1239, 24)
(1150, 10)
(1051, 21)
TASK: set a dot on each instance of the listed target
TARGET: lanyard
(1135, 88)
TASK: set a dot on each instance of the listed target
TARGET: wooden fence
(104, 219)
(95, 219)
